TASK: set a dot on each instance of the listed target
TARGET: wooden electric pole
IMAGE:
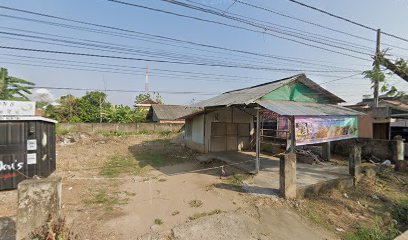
(377, 68)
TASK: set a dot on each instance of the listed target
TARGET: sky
(192, 72)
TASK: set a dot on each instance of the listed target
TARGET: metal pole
(257, 141)
(377, 67)
(292, 134)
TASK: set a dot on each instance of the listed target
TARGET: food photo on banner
(310, 130)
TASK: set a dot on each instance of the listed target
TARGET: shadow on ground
(170, 158)
(248, 189)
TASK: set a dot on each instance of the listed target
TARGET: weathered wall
(197, 134)
(125, 127)
(382, 149)
(227, 115)
(198, 129)
(38, 200)
(193, 133)
(365, 126)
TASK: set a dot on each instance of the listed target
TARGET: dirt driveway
(144, 186)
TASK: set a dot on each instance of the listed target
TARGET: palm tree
(12, 88)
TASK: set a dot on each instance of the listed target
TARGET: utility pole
(147, 80)
(377, 68)
(100, 109)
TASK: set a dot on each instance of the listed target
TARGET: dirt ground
(377, 208)
(119, 186)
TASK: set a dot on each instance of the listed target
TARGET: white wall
(197, 134)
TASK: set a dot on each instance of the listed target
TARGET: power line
(126, 67)
(129, 72)
(347, 20)
(238, 27)
(302, 20)
(230, 6)
(131, 51)
(251, 23)
(145, 59)
(123, 90)
(338, 79)
(294, 30)
(140, 91)
(299, 60)
(335, 16)
(276, 12)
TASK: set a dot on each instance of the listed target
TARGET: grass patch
(127, 134)
(102, 197)
(400, 213)
(152, 159)
(121, 165)
(158, 221)
(195, 203)
(60, 131)
(117, 133)
(236, 180)
(160, 133)
(374, 233)
(317, 219)
(203, 214)
(175, 213)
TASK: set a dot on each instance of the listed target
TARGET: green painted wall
(295, 92)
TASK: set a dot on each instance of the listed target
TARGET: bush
(53, 230)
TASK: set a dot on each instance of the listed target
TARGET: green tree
(92, 107)
(65, 111)
(12, 88)
(378, 75)
(146, 96)
(88, 108)
(121, 114)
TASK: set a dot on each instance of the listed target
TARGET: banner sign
(17, 108)
(311, 130)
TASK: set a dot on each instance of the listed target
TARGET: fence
(382, 149)
(122, 127)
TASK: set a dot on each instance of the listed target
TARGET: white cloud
(43, 95)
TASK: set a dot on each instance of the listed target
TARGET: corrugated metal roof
(27, 118)
(172, 112)
(291, 108)
(249, 95)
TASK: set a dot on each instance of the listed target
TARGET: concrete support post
(326, 154)
(355, 162)
(287, 176)
(258, 141)
(39, 200)
(400, 162)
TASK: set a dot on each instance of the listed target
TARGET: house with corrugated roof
(277, 115)
(386, 121)
(164, 113)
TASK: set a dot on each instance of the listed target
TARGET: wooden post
(258, 141)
